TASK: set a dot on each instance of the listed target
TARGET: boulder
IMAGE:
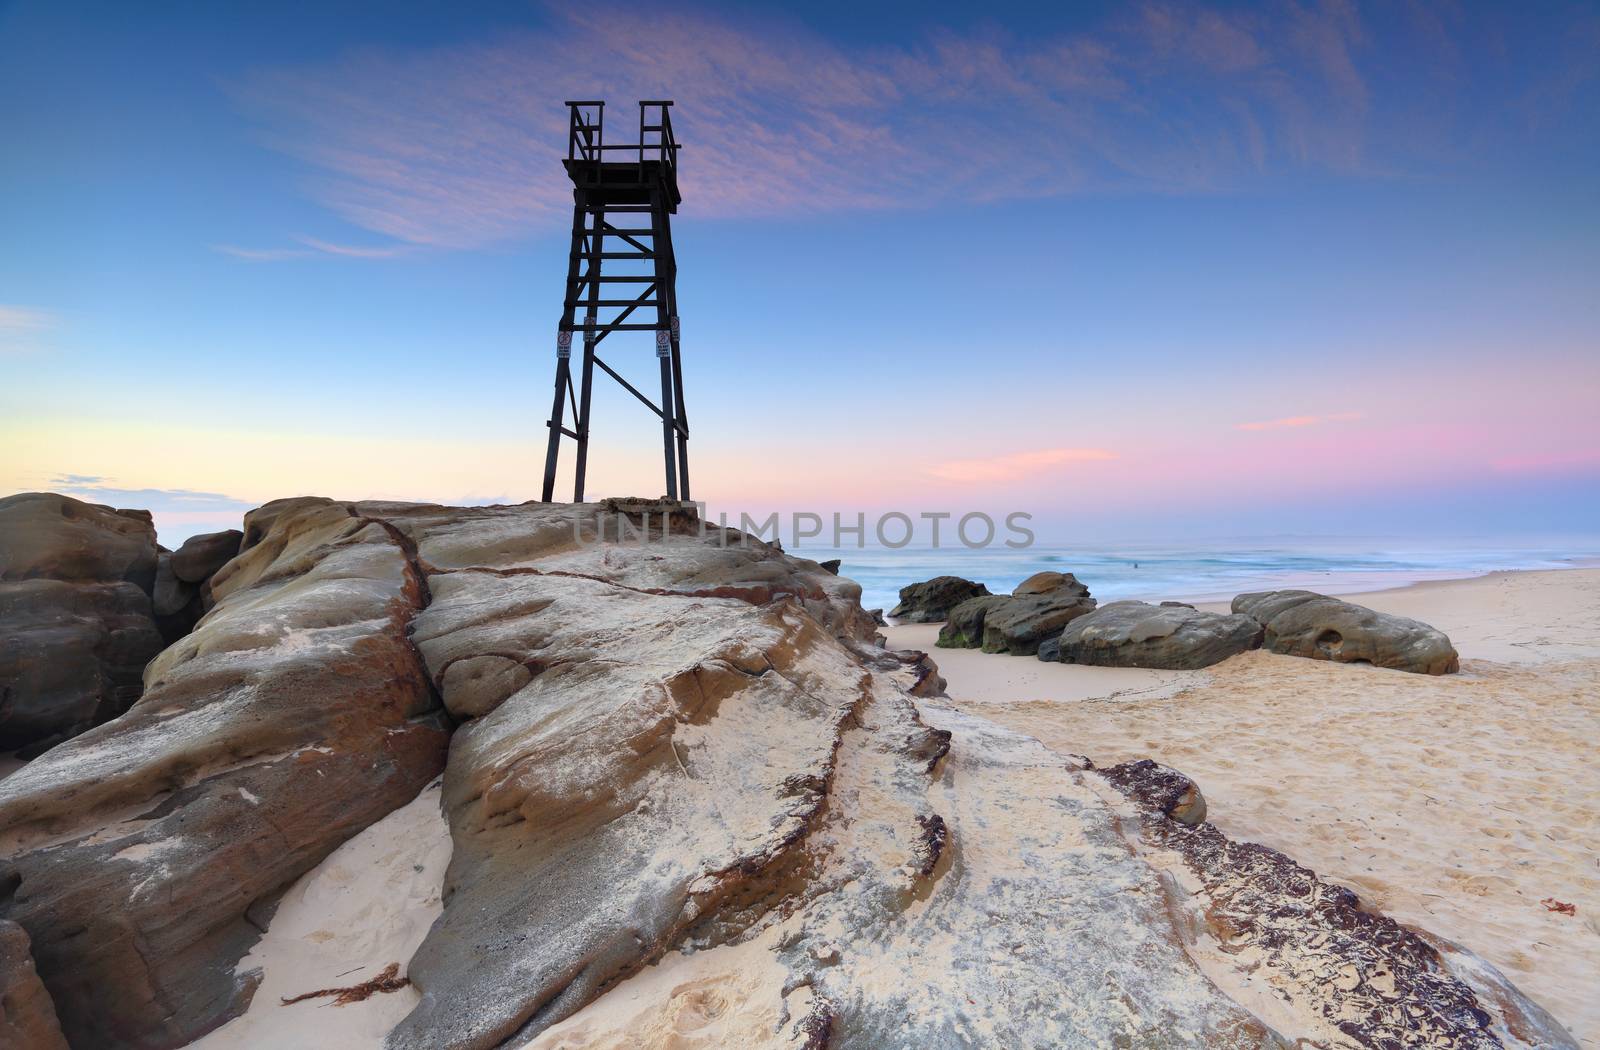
(963, 628)
(1020, 622)
(200, 556)
(831, 565)
(1304, 623)
(931, 600)
(71, 656)
(76, 622)
(1051, 583)
(299, 713)
(51, 537)
(27, 1016)
(171, 595)
(1136, 634)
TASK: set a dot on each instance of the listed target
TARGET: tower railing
(586, 122)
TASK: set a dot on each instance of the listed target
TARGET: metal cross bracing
(621, 277)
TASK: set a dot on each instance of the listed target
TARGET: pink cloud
(456, 146)
(1299, 421)
(1016, 465)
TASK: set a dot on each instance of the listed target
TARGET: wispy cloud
(99, 489)
(315, 246)
(1299, 421)
(356, 251)
(456, 146)
(260, 254)
(21, 326)
(1016, 465)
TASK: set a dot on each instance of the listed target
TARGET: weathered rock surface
(1304, 623)
(1339, 975)
(27, 1016)
(1020, 622)
(76, 622)
(683, 751)
(1137, 634)
(296, 715)
(1057, 911)
(931, 600)
(1165, 790)
(71, 656)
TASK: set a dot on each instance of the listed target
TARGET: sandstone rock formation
(87, 599)
(1017, 623)
(76, 623)
(139, 854)
(27, 1016)
(688, 751)
(931, 600)
(1137, 634)
(1304, 623)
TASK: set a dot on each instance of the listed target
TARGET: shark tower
(621, 277)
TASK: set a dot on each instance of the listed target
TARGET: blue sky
(1247, 268)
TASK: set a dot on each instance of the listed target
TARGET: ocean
(1210, 571)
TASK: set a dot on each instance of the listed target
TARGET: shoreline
(1408, 585)
(1201, 573)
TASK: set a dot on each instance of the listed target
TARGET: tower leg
(563, 366)
(591, 313)
(666, 306)
(668, 431)
(682, 418)
(583, 421)
(557, 413)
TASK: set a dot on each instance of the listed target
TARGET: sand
(367, 905)
(1457, 804)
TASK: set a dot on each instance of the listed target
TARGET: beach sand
(1457, 804)
(367, 905)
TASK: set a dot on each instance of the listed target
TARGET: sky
(1139, 270)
